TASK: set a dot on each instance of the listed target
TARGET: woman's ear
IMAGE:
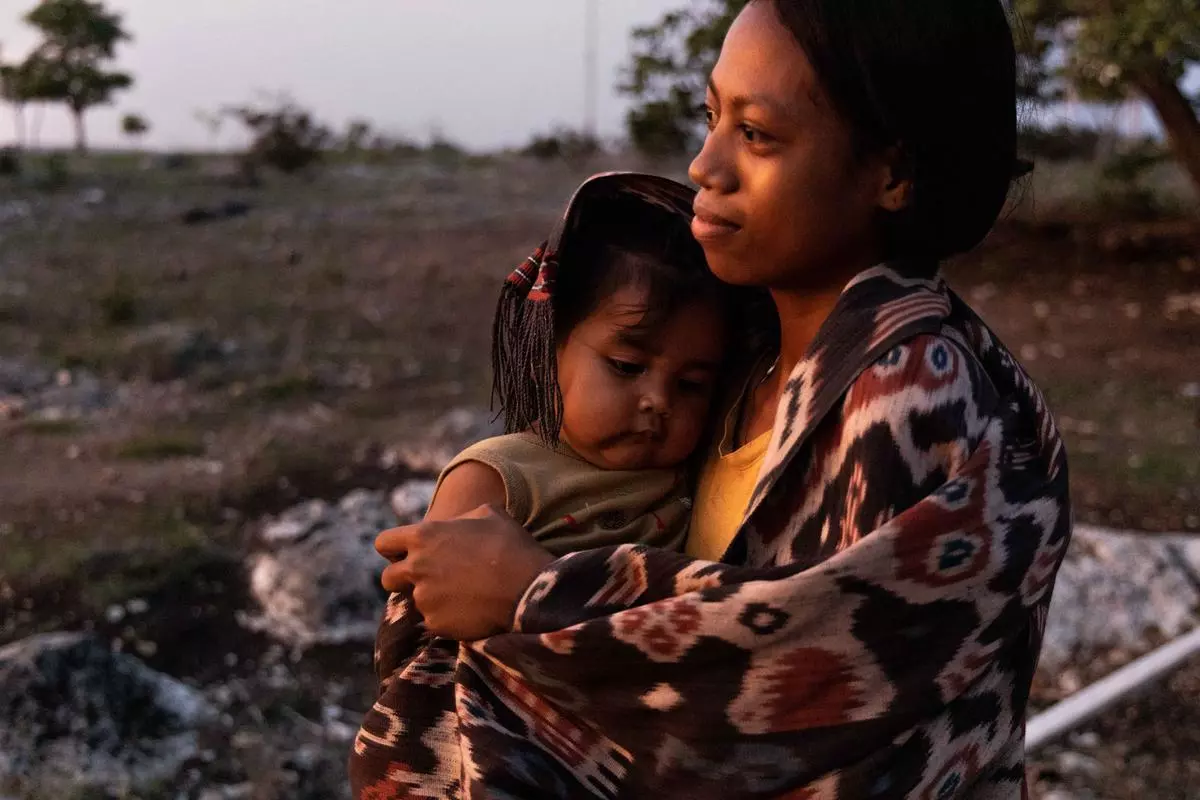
(895, 193)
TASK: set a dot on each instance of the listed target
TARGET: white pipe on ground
(1070, 713)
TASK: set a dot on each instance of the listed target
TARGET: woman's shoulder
(957, 381)
(927, 372)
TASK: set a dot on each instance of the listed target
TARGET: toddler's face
(636, 398)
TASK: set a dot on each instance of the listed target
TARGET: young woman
(863, 617)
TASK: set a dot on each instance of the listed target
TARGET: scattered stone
(11, 408)
(1122, 592)
(1179, 304)
(20, 379)
(76, 717)
(983, 292)
(230, 209)
(169, 351)
(93, 196)
(445, 438)
(29, 390)
(236, 791)
(15, 211)
(317, 582)
(411, 500)
(1072, 763)
(137, 606)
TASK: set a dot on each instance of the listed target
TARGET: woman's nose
(710, 169)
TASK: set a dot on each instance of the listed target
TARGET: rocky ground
(212, 398)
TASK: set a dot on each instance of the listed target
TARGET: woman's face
(785, 202)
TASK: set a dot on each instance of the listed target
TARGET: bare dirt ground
(234, 367)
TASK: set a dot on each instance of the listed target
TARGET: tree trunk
(19, 124)
(80, 131)
(35, 129)
(1178, 119)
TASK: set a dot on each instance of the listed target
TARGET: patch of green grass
(30, 557)
(169, 550)
(159, 546)
(289, 387)
(119, 304)
(1168, 468)
(53, 427)
(162, 445)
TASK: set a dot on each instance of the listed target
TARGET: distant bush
(285, 137)
(119, 303)
(1133, 159)
(443, 149)
(1060, 143)
(55, 173)
(176, 161)
(357, 137)
(562, 143)
(10, 162)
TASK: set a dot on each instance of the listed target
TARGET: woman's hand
(467, 574)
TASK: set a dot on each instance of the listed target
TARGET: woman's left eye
(626, 368)
(693, 387)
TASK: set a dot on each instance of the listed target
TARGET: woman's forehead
(761, 62)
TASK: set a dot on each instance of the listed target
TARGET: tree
(21, 84)
(134, 126)
(1113, 50)
(1103, 50)
(13, 92)
(669, 73)
(357, 135)
(79, 37)
(212, 121)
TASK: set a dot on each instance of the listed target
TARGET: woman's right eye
(710, 117)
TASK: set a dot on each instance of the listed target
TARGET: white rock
(1120, 591)
(76, 717)
(411, 500)
(318, 579)
(444, 439)
(137, 606)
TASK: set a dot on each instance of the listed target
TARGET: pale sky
(489, 73)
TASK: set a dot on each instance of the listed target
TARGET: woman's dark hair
(622, 242)
(936, 78)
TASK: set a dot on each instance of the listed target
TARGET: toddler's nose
(654, 404)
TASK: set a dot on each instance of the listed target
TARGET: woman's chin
(734, 271)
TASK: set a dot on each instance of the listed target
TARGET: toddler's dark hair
(622, 242)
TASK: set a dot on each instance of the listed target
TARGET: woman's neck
(801, 315)
(802, 311)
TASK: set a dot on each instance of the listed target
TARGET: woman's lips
(707, 225)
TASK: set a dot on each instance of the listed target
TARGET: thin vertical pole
(590, 54)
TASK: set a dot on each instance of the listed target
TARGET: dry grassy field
(164, 384)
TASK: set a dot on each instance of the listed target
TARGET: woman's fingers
(394, 543)
(397, 576)
(466, 574)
